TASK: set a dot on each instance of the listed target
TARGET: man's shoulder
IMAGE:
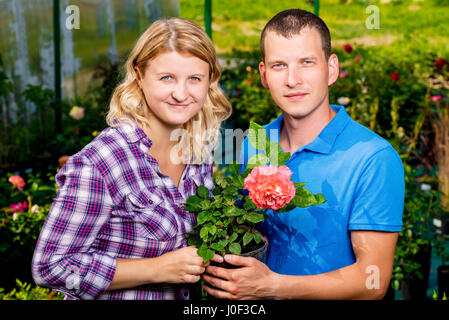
(363, 144)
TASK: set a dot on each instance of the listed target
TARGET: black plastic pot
(413, 287)
(443, 281)
(259, 253)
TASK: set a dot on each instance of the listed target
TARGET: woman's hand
(182, 266)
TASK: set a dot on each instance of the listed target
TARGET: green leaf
(203, 217)
(257, 237)
(212, 229)
(205, 253)
(304, 198)
(247, 237)
(203, 192)
(235, 248)
(257, 136)
(233, 212)
(257, 160)
(241, 219)
(255, 217)
(217, 247)
(233, 237)
(192, 204)
(204, 232)
(299, 184)
(223, 242)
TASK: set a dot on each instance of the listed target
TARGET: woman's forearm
(131, 273)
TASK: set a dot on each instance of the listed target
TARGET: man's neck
(298, 132)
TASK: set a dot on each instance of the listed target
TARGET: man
(344, 248)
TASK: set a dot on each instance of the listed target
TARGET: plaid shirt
(114, 202)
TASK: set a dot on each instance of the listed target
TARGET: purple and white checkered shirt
(114, 202)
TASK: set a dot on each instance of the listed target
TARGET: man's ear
(263, 77)
(333, 69)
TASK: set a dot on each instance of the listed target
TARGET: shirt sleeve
(64, 259)
(379, 195)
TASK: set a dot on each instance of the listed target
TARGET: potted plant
(227, 219)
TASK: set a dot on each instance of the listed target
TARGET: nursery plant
(227, 219)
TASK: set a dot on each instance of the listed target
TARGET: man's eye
(278, 65)
(308, 62)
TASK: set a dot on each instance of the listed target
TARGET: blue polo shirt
(361, 176)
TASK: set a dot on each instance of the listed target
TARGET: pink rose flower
(356, 58)
(17, 181)
(270, 187)
(435, 98)
(19, 206)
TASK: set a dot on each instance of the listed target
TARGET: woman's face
(175, 86)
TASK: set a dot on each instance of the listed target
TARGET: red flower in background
(440, 63)
(394, 76)
(435, 98)
(62, 160)
(19, 206)
(347, 48)
(17, 181)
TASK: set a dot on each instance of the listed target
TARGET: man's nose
(294, 77)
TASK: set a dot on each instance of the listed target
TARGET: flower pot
(443, 281)
(413, 287)
(258, 251)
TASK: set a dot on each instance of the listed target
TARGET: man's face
(297, 73)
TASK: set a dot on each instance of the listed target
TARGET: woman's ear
(333, 69)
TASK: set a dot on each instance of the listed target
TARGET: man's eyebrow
(308, 58)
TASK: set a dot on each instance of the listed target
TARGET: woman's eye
(195, 78)
(166, 78)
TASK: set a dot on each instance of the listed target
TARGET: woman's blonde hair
(128, 102)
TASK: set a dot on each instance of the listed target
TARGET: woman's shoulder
(107, 148)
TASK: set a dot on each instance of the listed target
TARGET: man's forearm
(346, 283)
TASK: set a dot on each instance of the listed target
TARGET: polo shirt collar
(326, 139)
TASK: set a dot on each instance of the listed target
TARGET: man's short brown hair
(290, 22)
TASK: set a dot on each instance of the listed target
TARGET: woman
(116, 228)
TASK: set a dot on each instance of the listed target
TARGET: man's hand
(253, 280)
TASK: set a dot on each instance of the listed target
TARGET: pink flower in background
(435, 98)
(270, 187)
(77, 113)
(347, 48)
(343, 74)
(356, 58)
(17, 181)
(394, 76)
(19, 206)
